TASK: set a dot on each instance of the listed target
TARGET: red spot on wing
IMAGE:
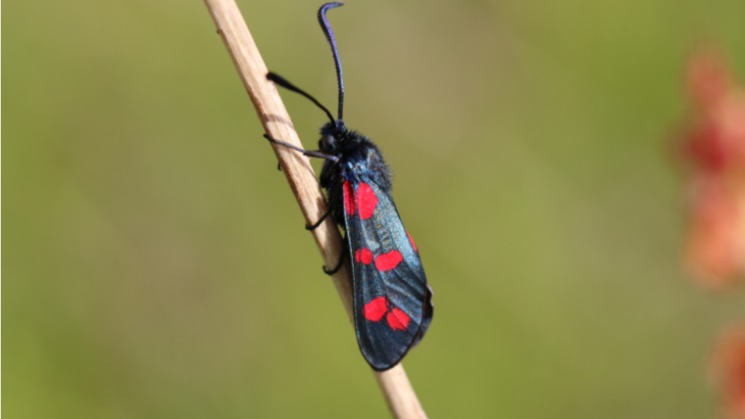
(363, 256)
(376, 309)
(388, 261)
(412, 242)
(397, 319)
(348, 198)
(366, 200)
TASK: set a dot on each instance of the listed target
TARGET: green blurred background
(155, 263)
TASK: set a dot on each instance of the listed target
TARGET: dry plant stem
(394, 383)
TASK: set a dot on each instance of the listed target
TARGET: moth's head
(332, 135)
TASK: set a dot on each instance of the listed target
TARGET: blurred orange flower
(714, 146)
(729, 371)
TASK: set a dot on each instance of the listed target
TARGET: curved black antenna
(276, 78)
(330, 37)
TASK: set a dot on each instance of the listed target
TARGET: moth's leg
(338, 265)
(310, 153)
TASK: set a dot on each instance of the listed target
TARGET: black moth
(392, 301)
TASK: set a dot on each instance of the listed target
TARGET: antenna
(276, 78)
(330, 37)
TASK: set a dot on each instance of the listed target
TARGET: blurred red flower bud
(714, 147)
(728, 371)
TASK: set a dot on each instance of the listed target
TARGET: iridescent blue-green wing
(392, 301)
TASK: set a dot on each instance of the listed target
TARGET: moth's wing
(392, 301)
